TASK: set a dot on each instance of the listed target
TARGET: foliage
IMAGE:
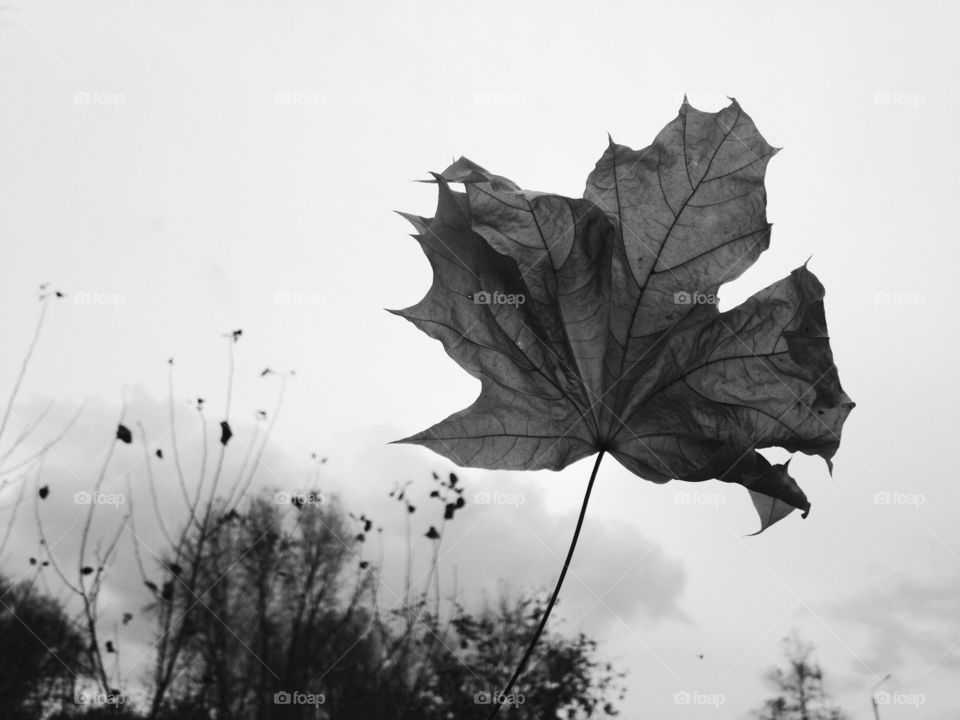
(291, 607)
(41, 651)
(799, 690)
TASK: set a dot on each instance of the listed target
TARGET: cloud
(616, 573)
(909, 618)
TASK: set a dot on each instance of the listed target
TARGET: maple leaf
(592, 322)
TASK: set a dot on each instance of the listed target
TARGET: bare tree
(205, 500)
(17, 463)
(800, 694)
(180, 579)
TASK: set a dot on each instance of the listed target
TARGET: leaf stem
(497, 700)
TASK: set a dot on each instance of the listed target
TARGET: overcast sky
(204, 166)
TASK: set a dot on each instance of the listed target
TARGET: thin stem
(223, 445)
(497, 700)
(24, 365)
(173, 440)
(151, 484)
(4, 471)
(234, 502)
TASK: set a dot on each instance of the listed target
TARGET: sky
(196, 167)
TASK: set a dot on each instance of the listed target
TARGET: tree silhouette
(800, 694)
(290, 606)
(41, 652)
